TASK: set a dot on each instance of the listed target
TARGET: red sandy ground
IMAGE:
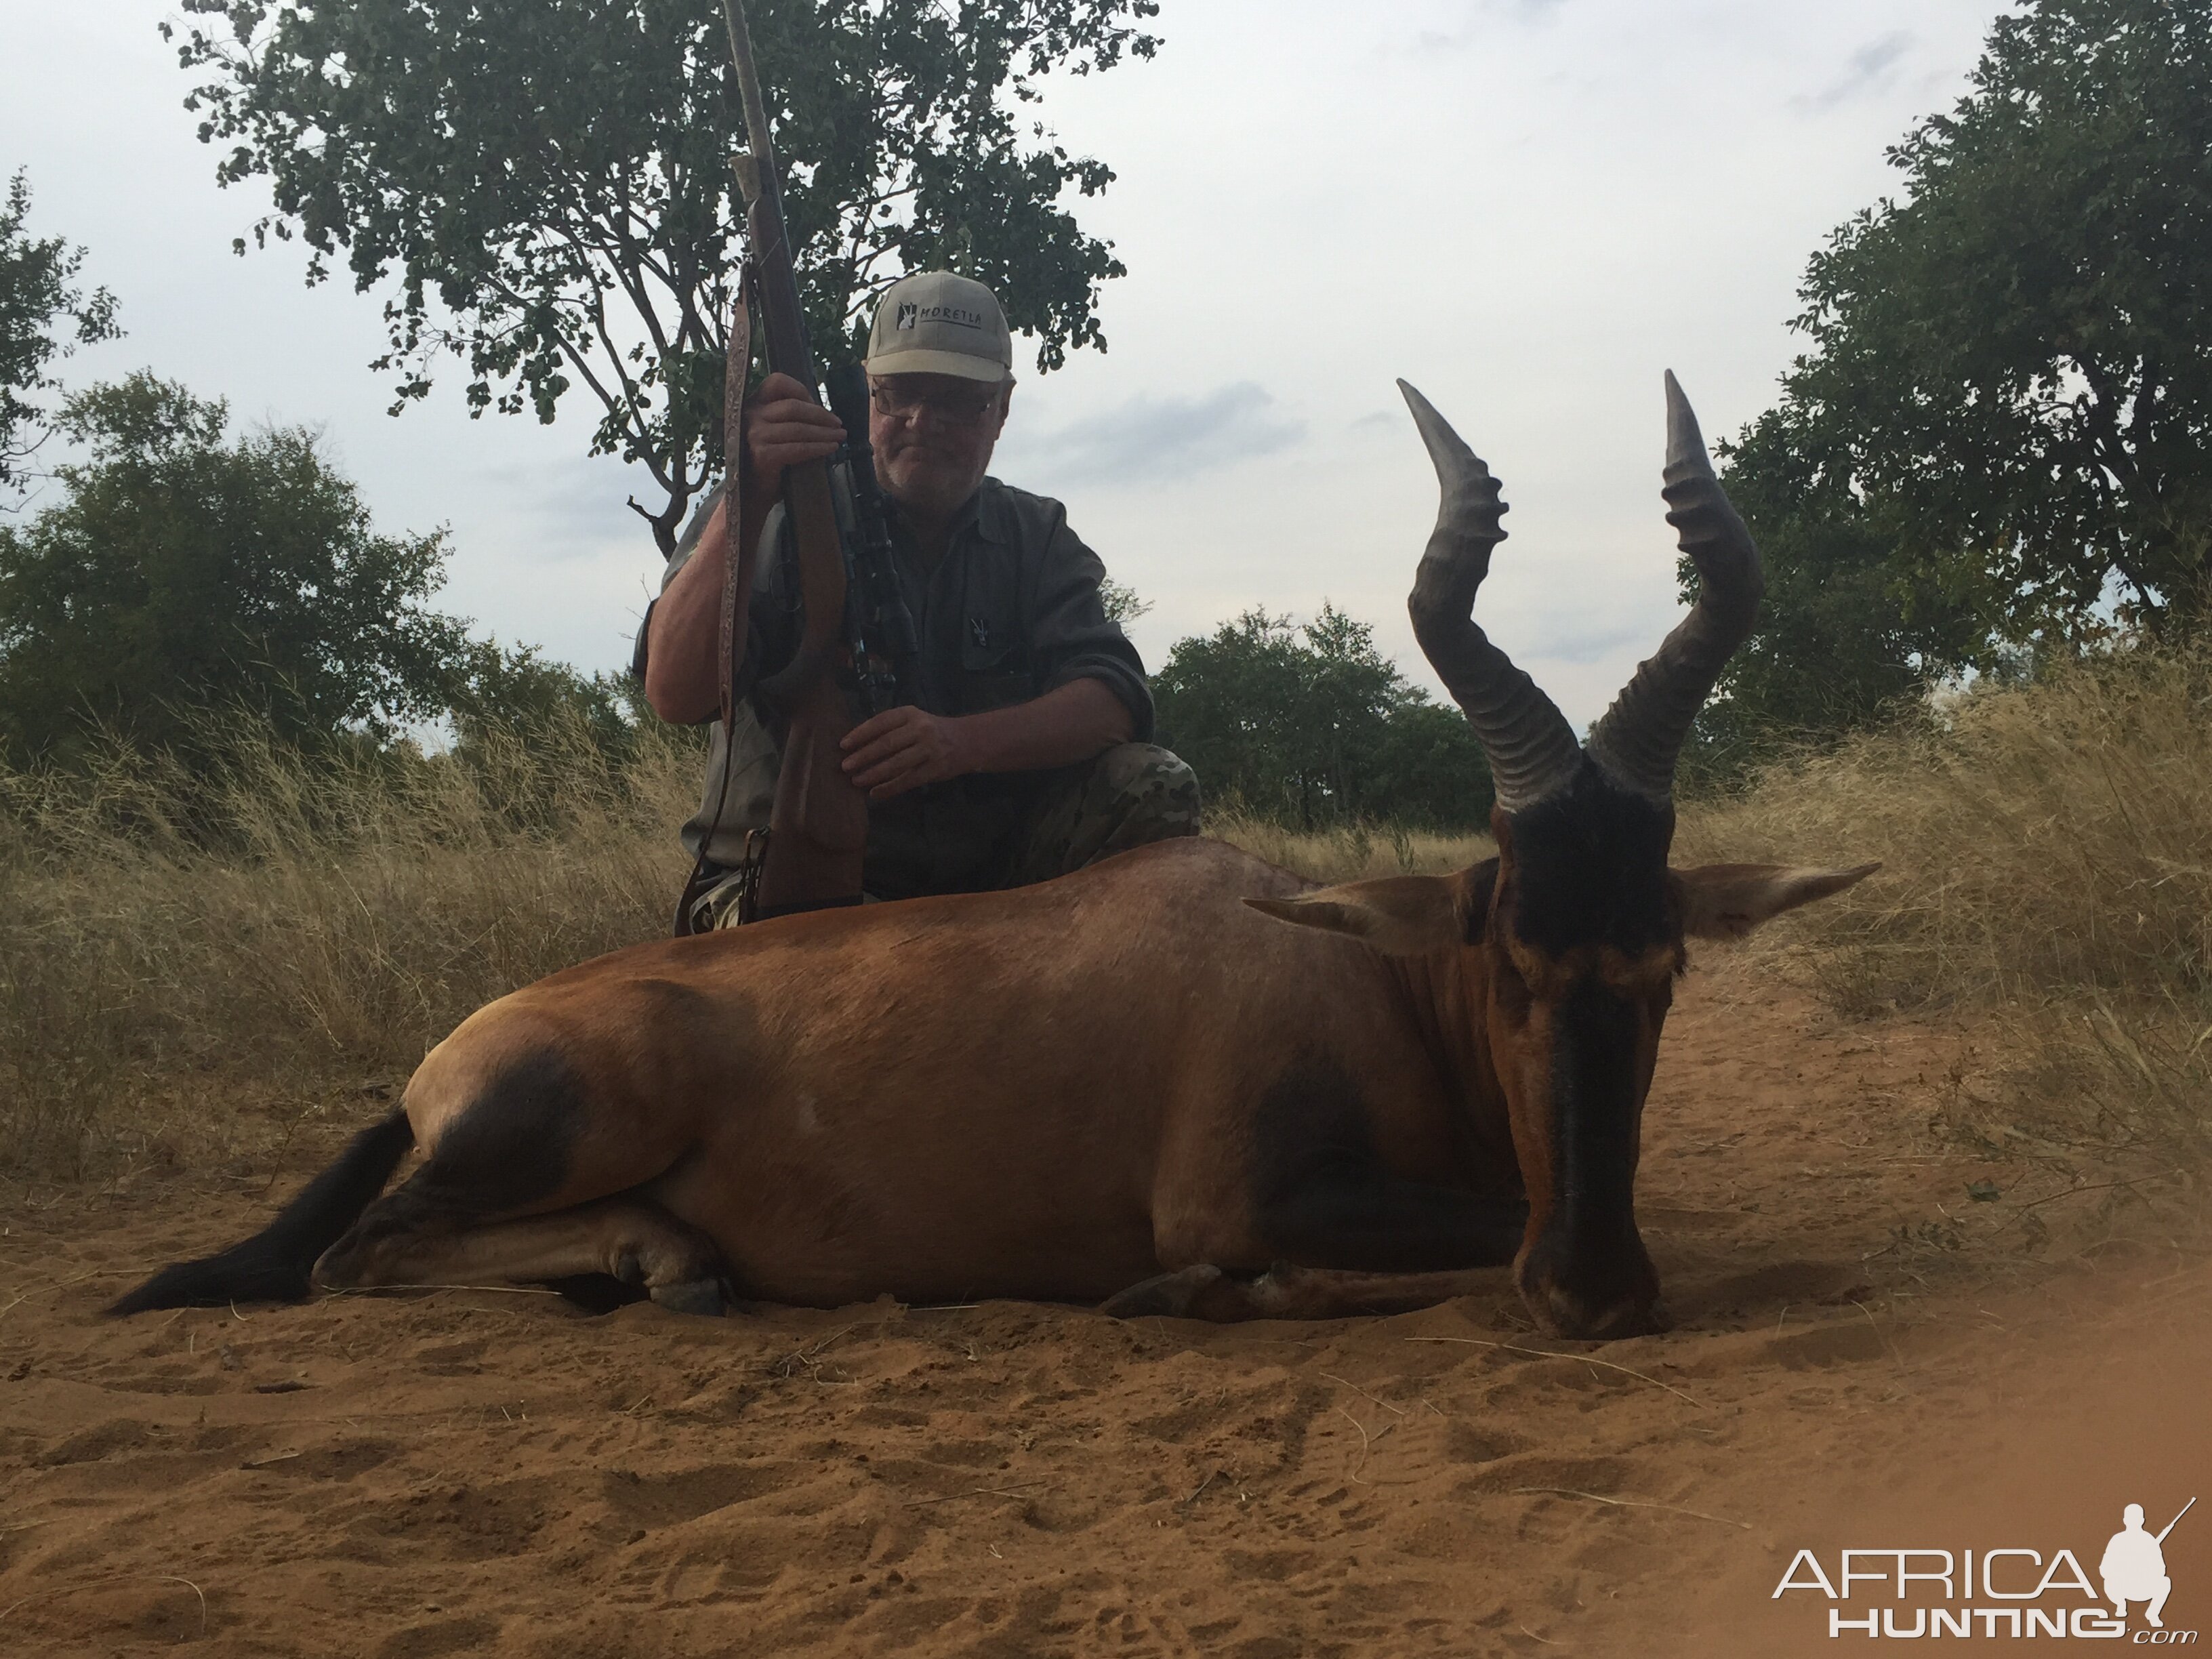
(1864, 1357)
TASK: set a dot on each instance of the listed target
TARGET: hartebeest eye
(1509, 991)
(1648, 975)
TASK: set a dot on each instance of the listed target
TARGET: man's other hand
(784, 427)
(903, 749)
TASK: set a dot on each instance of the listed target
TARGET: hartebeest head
(1575, 932)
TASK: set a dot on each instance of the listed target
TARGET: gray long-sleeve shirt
(1011, 611)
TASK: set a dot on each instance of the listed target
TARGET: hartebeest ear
(1727, 900)
(1399, 916)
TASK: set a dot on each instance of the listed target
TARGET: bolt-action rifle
(856, 647)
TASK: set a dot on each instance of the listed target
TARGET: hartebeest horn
(1531, 747)
(1641, 736)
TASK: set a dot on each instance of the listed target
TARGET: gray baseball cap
(936, 323)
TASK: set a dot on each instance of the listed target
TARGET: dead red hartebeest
(1135, 1082)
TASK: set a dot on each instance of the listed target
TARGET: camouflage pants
(1133, 794)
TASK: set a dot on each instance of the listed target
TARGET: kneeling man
(1025, 754)
(2133, 1568)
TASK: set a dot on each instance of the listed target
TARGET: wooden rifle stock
(818, 826)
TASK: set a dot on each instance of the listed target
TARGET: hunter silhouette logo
(908, 311)
(2134, 1567)
(2010, 1593)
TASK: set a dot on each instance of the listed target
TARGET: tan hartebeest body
(1135, 1082)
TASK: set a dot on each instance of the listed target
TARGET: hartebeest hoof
(1561, 1315)
(708, 1296)
(1187, 1293)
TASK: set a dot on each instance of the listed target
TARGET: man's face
(932, 435)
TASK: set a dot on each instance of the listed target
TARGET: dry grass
(2046, 883)
(176, 993)
(169, 996)
(1350, 853)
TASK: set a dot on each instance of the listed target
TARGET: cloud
(1147, 439)
(559, 511)
(1429, 43)
(1574, 639)
(1871, 69)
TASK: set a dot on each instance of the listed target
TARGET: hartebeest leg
(633, 1240)
(1365, 1242)
(1287, 1293)
(1357, 1218)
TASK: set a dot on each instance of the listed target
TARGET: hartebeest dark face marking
(1583, 942)
(1569, 957)
(1584, 870)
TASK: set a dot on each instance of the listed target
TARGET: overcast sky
(1528, 208)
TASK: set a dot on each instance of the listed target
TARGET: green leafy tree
(549, 180)
(503, 692)
(2012, 371)
(1313, 725)
(1429, 772)
(1122, 602)
(2005, 422)
(36, 298)
(184, 573)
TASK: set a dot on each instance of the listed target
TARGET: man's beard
(931, 487)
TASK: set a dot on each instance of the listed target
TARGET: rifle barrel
(2176, 1522)
(782, 316)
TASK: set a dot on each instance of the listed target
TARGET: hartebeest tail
(273, 1265)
